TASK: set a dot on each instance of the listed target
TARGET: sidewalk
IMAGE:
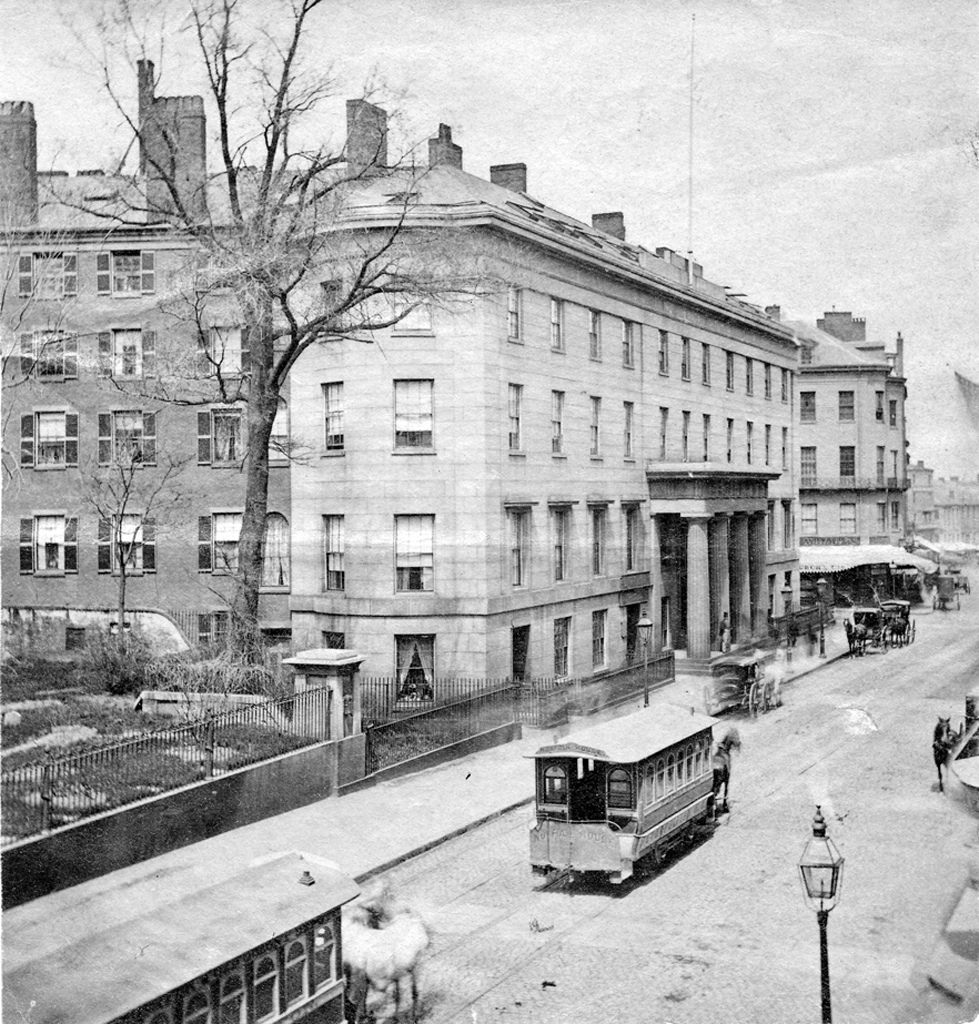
(363, 833)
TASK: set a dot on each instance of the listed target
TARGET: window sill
(559, 455)
(408, 333)
(685, 379)
(413, 451)
(49, 573)
(559, 351)
(51, 468)
(273, 590)
(596, 458)
(630, 459)
(594, 359)
(337, 453)
(53, 378)
(413, 593)
(664, 373)
(515, 341)
(220, 465)
(517, 455)
(628, 366)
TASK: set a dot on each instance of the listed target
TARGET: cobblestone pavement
(721, 931)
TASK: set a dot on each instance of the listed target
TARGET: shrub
(116, 664)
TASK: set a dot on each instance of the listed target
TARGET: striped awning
(837, 559)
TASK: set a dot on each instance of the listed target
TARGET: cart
(946, 594)
(961, 581)
(898, 625)
(737, 681)
(865, 633)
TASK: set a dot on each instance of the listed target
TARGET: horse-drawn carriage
(748, 680)
(898, 625)
(961, 581)
(865, 633)
(946, 593)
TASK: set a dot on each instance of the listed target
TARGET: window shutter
(149, 437)
(149, 353)
(203, 438)
(103, 276)
(26, 355)
(70, 278)
(71, 355)
(203, 627)
(27, 546)
(149, 545)
(71, 545)
(105, 545)
(71, 438)
(245, 351)
(27, 440)
(204, 367)
(147, 265)
(204, 560)
(105, 354)
(25, 276)
(105, 438)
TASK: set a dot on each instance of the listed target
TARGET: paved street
(721, 932)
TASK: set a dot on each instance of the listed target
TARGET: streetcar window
(679, 769)
(266, 988)
(232, 1008)
(690, 775)
(620, 788)
(670, 774)
(197, 1008)
(555, 785)
(697, 769)
(295, 979)
(323, 960)
(660, 779)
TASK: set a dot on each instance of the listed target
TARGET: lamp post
(645, 629)
(821, 868)
(821, 586)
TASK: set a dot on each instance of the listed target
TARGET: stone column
(698, 588)
(757, 549)
(720, 576)
(740, 579)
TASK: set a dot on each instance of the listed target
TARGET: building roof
(828, 350)
(633, 738)
(114, 970)
(829, 558)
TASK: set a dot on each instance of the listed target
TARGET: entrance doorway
(632, 646)
(519, 652)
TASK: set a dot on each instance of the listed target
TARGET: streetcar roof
(118, 969)
(633, 738)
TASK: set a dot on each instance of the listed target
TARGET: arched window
(275, 551)
(324, 947)
(690, 774)
(197, 1007)
(660, 779)
(670, 774)
(265, 988)
(679, 769)
(620, 788)
(232, 1003)
(555, 785)
(295, 979)
(697, 768)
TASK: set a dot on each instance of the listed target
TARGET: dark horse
(722, 766)
(943, 740)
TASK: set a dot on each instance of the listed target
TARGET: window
(324, 956)
(557, 422)
(808, 466)
(664, 420)
(620, 788)
(729, 370)
(705, 364)
(557, 325)
(555, 784)
(768, 380)
(706, 438)
(785, 447)
(127, 353)
(664, 352)
(768, 444)
(224, 352)
(847, 463)
(47, 275)
(810, 526)
(848, 517)
(633, 538)
(197, 1007)
(787, 524)
(413, 413)
(562, 634)
(685, 358)
(49, 439)
(595, 427)
(279, 437)
(513, 302)
(685, 436)
(519, 546)
(880, 407)
(892, 412)
(416, 667)
(514, 408)
(561, 524)
(730, 440)
(805, 355)
(807, 406)
(599, 524)
(231, 1003)
(785, 385)
(49, 355)
(770, 523)
(881, 516)
(265, 988)
(894, 466)
(628, 410)
(127, 541)
(333, 640)
(212, 627)
(880, 464)
(895, 515)
(217, 542)
(660, 779)
(295, 973)
(219, 441)
(594, 334)
(846, 406)
(49, 545)
(333, 570)
(628, 343)
(415, 552)
(414, 315)
(333, 415)
(749, 438)
(127, 437)
(749, 376)
(125, 274)
(670, 774)
(275, 551)
(599, 621)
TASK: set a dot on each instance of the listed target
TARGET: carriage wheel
(753, 699)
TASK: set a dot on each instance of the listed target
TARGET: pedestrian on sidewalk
(725, 633)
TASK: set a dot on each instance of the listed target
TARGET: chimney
(611, 223)
(367, 137)
(511, 176)
(18, 161)
(843, 325)
(899, 359)
(442, 150)
(775, 312)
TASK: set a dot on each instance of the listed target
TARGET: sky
(829, 167)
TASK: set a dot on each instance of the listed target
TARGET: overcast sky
(829, 169)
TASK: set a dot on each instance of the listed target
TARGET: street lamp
(644, 627)
(821, 586)
(821, 868)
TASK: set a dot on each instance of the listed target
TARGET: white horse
(773, 675)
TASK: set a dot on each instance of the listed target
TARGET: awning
(837, 559)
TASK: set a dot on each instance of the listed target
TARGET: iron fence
(385, 698)
(62, 789)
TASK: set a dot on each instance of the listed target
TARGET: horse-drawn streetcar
(616, 793)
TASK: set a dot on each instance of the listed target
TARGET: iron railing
(384, 698)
